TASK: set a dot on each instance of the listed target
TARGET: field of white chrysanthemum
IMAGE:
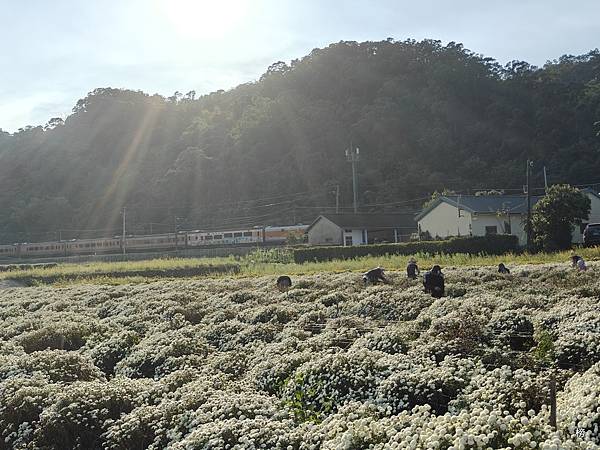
(231, 362)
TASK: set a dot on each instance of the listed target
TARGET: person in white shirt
(578, 263)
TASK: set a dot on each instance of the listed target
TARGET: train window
(247, 233)
(237, 234)
(208, 238)
(218, 236)
(227, 235)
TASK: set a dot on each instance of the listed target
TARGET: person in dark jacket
(412, 270)
(434, 282)
(502, 268)
(374, 276)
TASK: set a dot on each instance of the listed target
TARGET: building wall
(517, 225)
(443, 221)
(359, 237)
(325, 232)
(577, 237)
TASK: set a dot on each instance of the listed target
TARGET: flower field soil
(233, 363)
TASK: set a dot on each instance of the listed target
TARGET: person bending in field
(434, 282)
(284, 283)
(374, 276)
(578, 263)
(412, 270)
(502, 268)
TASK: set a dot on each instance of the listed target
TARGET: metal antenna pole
(337, 198)
(528, 173)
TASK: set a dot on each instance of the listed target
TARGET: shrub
(53, 365)
(83, 412)
(62, 336)
(489, 245)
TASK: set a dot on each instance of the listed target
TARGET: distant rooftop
(366, 221)
(489, 204)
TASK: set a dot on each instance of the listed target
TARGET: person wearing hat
(434, 282)
(412, 270)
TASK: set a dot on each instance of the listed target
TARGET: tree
(555, 215)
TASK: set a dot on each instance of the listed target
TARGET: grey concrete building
(358, 229)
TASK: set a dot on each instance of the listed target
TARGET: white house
(472, 215)
(358, 229)
(594, 214)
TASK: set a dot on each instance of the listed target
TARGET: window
(237, 235)
(247, 233)
(227, 235)
(507, 228)
(491, 230)
(208, 238)
(348, 240)
(218, 236)
(348, 231)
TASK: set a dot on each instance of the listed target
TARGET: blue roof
(482, 204)
(490, 204)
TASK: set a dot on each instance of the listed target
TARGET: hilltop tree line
(426, 116)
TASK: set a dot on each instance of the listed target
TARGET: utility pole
(528, 174)
(352, 155)
(545, 181)
(176, 231)
(123, 238)
(337, 198)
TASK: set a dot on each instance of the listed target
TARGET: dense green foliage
(426, 117)
(556, 214)
(487, 245)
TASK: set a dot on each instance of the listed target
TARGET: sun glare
(204, 18)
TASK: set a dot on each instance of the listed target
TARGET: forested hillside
(425, 116)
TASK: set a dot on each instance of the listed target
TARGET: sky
(55, 52)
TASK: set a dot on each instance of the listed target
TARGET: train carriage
(8, 251)
(199, 238)
(156, 242)
(282, 234)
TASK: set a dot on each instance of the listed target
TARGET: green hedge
(489, 245)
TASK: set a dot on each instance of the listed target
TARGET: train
(270, 235)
